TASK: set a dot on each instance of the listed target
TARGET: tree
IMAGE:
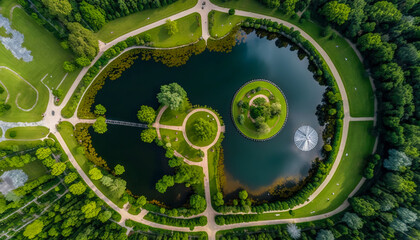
(218, 199)
(399, 184)
(353, 221)
(243, 195)
(90, 209)
(231, 11)
(275, 109)
(336, 12)
(92, 15)
(407, 54)
(104, 216)
(325, 235)
(100, 125)
(164, 183)
(119, 169)
(83, 61)
(204, 129)
(397, 161)
(77, 188)
(70, 177)
(42, 153)
(172, 27)
(95, 173)
(82, 41)
(364, 207)
(69, 66)
(293, 231)
(100, 109)
(146, 114)
(398, 225)
(148, 135)
(107, 181)
(59, 93)
(263, 128)
(172, 95)
(384, 11)
(288, 6)
(369, 41)
(327, 147)
(406, 215)
(33, 229)
(198, 202)
(118, 187)
(241, 119)
(58, 7)
(141, 201)
(58, 168)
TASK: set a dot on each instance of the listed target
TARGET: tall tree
(33, 229)
(397, 160)
(172, 95)
(58, 7)
(100, 125)
(336, 12)
(384, 11)
(172, 27)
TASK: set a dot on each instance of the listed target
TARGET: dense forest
(387, 33)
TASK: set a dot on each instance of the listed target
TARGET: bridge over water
(124, 123)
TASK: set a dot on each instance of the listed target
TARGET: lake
(212, 79)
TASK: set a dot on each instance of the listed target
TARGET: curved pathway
(17, 97)
(52, 117)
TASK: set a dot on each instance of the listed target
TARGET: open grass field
(192, 136)
(66, 131)
(359, 145)
(28, 132)
(173, 117)
(352, 72)
(223, 23)
(48, 58)
(189, 31)
(180, 145)
(248, 127)
(19, 93)
(126, 24)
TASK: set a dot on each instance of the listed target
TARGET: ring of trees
(259, 110)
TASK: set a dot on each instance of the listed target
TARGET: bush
(69, 66)
(231, 11)
(12, 134)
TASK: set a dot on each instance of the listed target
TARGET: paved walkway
(52, 117)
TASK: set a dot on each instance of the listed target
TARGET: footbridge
(124, 123)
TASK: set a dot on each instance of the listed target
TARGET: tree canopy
(172, 95)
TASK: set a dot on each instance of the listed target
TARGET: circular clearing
(256, 112)
(206, 131)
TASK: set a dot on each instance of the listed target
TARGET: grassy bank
(27, 132)
(123, 25)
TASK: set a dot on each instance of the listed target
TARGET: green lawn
(34, 170)
(190, 129)
(28, 132)
(66, 131)
(189, 31)
(173, 117)
(352, 72)
(359, 145)
(180, 145)
(223, 23)
(248, 127)
(48, 58)
(124, 25)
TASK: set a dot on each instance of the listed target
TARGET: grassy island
(259, 110)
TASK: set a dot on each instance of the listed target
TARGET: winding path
(52, 118)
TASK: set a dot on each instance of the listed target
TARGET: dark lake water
(212, 79)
